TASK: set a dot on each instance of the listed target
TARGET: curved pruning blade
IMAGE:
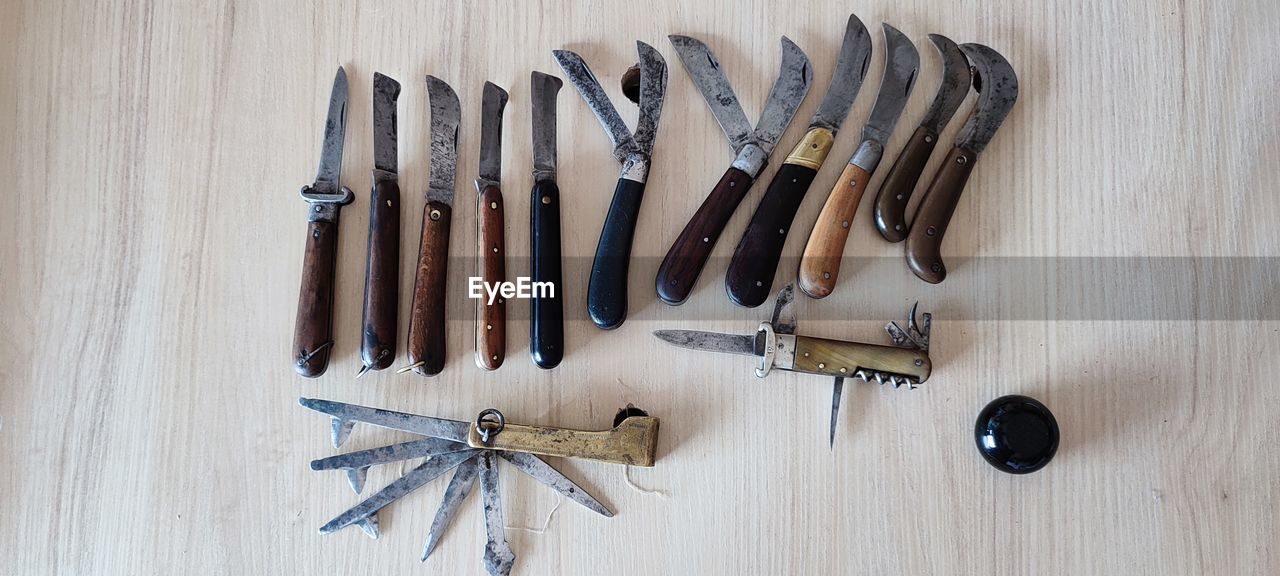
(784, 311)
(493, 102)
(498, 557)
(580, 75)
(901, 62)
(457, 492)
(795, 75)
(846, 81)
(704, 70)
(539, 470)
(653, 92)
(954, 86)
(416, 478)
(445, 117)
(996, 98)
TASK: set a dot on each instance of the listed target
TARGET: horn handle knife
(381, 276)
(491, 317)
(891, 200)
(820, 263)
(313, 329)
(546, 311)
(924, 243)
(843, 359)
(426, 318)
(607, 289)
(684, 261)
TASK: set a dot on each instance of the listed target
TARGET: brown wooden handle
(840, 358)
(381, 277)
(491, 318)
(313, 330)
(684, 261)
(891, 201)
(426, 320)
(820, 264)
(924, 243)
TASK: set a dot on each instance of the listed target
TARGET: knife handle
(924, 243)
(891, 200)
(749, 278)
(546, 311)
(491, 318)
(820, 263)
(381, 276)
(843, 359)
(426, 319)
(684, 261)
(607, 290)
(313, 329)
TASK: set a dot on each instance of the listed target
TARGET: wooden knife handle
(313, 329)
(749, 278)
(426, 320)
(820, 264)
(924, 243)
(381, 277)
(607, 290)
(891, 201)
(684, 261)
(844, 359)
(546, 311)
(491, 319)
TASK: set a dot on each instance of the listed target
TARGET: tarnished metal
(491, 106)
(953, 87)
(348, 414)
(539, 470)
(846, 81)
(633, 442)
(544, 88)
(784, 311)
(901, 62)
(998, 93)
(709, 341)
(385, 155)
(836, 391)
(445, 117)
(498, 557)
(329, 174)
(416, 478)
(464, 478)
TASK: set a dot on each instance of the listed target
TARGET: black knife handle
(607, 290)
(891, 200)
(381, 277)
(427, 313)
(313, 329)
(750, 276)
(684, 261)
(924, 242)
(546, 311)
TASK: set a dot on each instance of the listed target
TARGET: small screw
(962, 160)
(930, 231)
(821, 365)
(435, 214)
(546, 199)
(919, 362)
(844, 224)
(826, 275)
(493, 205)
(928, 139)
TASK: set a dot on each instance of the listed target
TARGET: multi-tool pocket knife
(473, 448)
(776, 344)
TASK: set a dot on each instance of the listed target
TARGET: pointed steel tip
(363, 370)
(341, 74)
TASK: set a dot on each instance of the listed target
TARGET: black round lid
(1016, 434)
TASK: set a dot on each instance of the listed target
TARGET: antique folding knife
(777, 346)
(382, 268)
(546, 311)
(491, 316)
(473, 448)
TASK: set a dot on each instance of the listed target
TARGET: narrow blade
(998, 92)
(901, 62)
(704, 70)
(385, 93)
(498, 557)
(423, 448)
(580, 76)
(459, 488)
(851, 70)
(784, 311)
(445, 116)
(794, 77)
(494, 101)
(544, 89)
(835, 408)
(956, 78)
(454, 430)
(335, 128)
(539, 470)
(653, 92)
(416, 478)
(709, 341)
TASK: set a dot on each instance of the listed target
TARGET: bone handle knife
(491, 323)
(426, 320)
(546, 310)
(924, 243)
(313, 329)
(820, 264)
(684, 261)
(607, 290)
(843, 359)
(891, 201)
(382, 276)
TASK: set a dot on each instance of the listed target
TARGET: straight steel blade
(704, 70)
(498, 557)
(835, 408)
(491, 106)
(709, 341)
(416, 478)
(901, 62)
(459, 488)
(422, 448)
(653, 93)
(784, 311)
(385, 93)
(851, 69)
(445, 117)
(454, 430)
(335, 128)
(539, 470)
(998, 90)
(956, 78)
(580, 76)
(544, 88)
(794, 77)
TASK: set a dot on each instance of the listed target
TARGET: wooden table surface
(1113, 256)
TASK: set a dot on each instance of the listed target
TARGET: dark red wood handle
(381, 277)
(313, 329)
(684, 261)
(491, 318)
(426, 319)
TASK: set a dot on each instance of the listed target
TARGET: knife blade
(687, 256)
(546, 310)
(491, 317)
(459, 488)
(891, 200)
(539, 470)
(749, 278)
(820, 263)
(313, 325)
(382, 264)
(498, 557)
(416, 478)
(454, 430)
(427, 314)
(998, 91)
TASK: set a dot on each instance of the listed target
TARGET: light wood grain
(151, 243)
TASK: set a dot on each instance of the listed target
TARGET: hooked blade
(494, 101)
(788, 92)
(653, 93)
(954, 86)
(704, 70)
(544, 88)
(709, 341)
(851, 70)
(416, 478)
(784, 311)
(454, 430)
(498, 557)
(459, 488)
(835, 408)
(901, 62)
(999, 91)
(579, 74)
(445, 117)
(385, 93)
(335, 128)
(539, 470)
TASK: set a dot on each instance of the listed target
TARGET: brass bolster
(812, 150)
(633, 442)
